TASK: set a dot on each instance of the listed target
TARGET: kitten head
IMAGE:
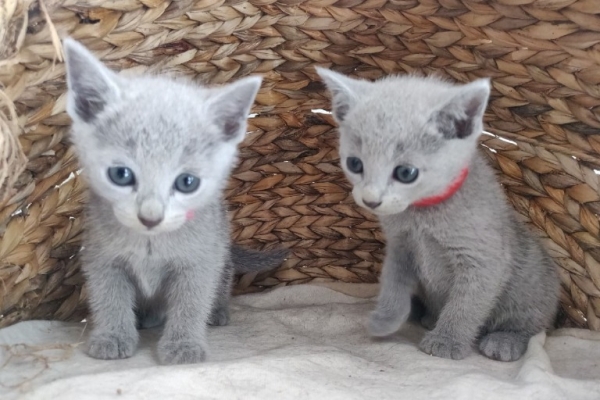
(406, 138)
(156, 149)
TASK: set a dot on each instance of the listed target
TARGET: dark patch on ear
(453, 127)
(231, 106)
(341, 111)
(231, 128)
(340, 103)
(344, 92)
(88, 105)
(464, 112)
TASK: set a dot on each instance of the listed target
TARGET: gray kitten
(157, 154)
(408, 146)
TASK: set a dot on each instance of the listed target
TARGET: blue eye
(406, 173)
(354, 165)
(186, 183)
(121, 176)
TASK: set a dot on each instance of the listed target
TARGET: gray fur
(242, 261)
(483, 277)
(180, 268)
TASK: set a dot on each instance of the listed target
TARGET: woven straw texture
(544, 116)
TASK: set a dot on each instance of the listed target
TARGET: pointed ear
(230, 106)
(344, 91)
(462, 116)
(91, 85)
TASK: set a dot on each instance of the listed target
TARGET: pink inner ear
(189, 215)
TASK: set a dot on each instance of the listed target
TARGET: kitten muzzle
(371, 197)
(151, 212)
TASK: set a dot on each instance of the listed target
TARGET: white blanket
(298, 342)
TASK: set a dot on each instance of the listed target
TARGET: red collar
(447, 193)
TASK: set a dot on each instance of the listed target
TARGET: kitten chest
(431, 263)
(147, 268)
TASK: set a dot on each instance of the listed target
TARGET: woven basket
(542, 55)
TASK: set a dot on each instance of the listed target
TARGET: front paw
(383, 324)
(112, 346)
(181, 352)
(444, 346)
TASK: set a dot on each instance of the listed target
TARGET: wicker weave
(543, 57)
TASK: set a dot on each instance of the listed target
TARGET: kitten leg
(434, 304)
(398, 279)
(111, 300)
(504, 345)
(470, 301)
(219, 315)
(527, 308)
(190, 293)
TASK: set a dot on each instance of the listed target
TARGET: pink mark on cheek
(189, 215)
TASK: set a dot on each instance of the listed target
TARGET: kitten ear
(231, 105)
(462, 116)
(344, 91)
(91, 85)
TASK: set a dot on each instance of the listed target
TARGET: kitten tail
(245, 260)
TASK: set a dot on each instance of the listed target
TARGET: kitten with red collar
(408, 146)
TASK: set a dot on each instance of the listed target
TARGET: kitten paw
(428, 322)
(181, 352)
(111, 346)
(504, 346)
(383, 324)
(444, 346)
(219, 317)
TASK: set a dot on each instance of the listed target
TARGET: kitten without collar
(483, 277)
(157, 154)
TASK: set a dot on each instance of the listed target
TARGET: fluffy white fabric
(298, 342)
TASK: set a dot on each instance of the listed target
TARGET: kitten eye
(186, 183)
(406, 173)
(121, 176)
(354, 165)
